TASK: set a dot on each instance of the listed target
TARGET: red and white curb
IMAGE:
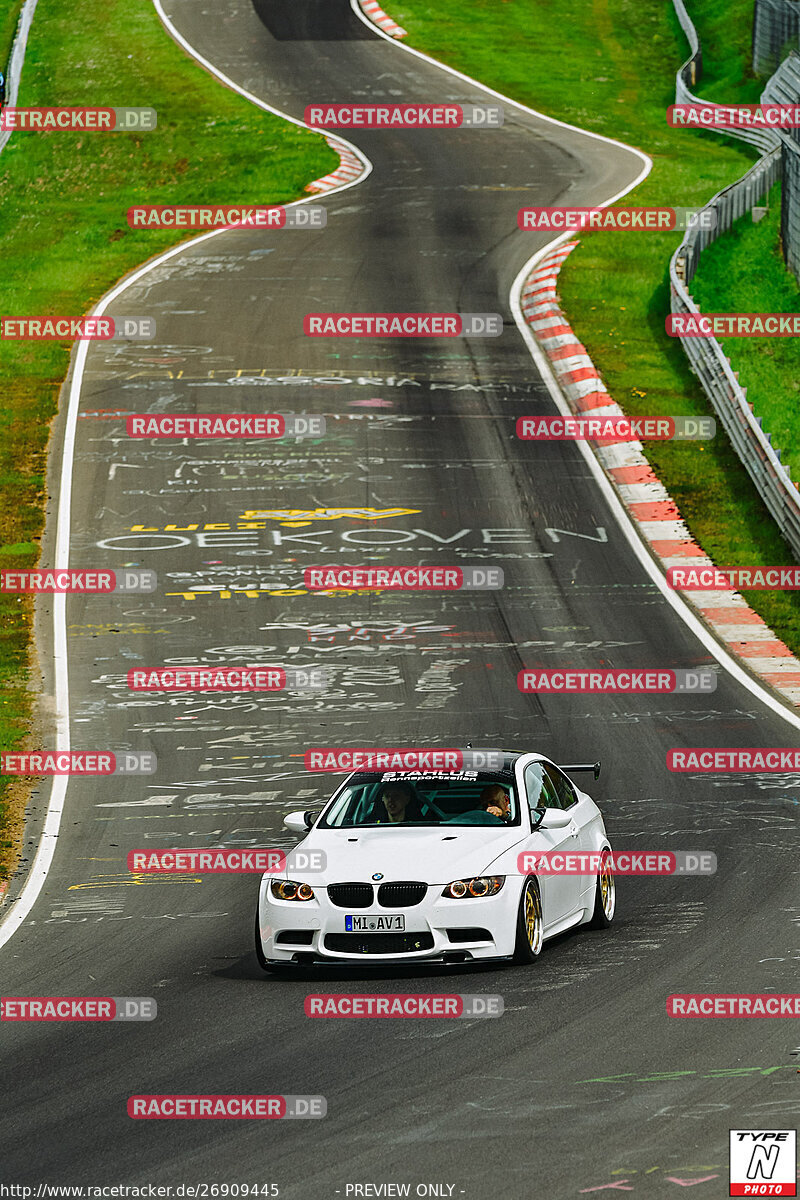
(376, 14)
(349, 169)
(646, 499)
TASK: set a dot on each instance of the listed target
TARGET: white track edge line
(259, 103)
(625, 522)
(681, 606)
(17, 61)
(645, 158)
(45, 852)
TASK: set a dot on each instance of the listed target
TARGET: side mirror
(297, 822)
(554, 818)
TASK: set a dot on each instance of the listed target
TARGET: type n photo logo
(763, 1162)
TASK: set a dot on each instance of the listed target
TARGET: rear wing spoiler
(570, 767)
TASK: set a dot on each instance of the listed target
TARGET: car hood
(432, 856)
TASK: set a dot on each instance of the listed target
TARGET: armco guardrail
(728, 399)
(692, 69)
(776, 29)
(729, 205)
(689, 75)
(784, 88)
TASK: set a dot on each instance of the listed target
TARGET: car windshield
(463, 798)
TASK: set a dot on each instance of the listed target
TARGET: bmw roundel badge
(378, 876)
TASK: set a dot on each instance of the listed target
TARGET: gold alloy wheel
(608, 892)
(533, 918)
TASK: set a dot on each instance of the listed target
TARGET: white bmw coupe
(425, 866)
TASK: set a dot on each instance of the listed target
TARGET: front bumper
(437, 929)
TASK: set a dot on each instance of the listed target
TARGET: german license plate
(384, 923)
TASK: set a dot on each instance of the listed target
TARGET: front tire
(530, 924)
(605, 895)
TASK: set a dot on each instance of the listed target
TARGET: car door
(582, 811)
(559, 892)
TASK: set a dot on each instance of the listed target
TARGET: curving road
(584, 1082)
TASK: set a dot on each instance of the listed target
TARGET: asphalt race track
(584, 1081)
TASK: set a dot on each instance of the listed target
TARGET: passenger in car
(495, 800)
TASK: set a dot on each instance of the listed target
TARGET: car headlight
(471, 889)
(287, 889)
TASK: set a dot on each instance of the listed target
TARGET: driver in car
(400, 803)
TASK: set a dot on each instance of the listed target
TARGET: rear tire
(605, 895)
(530, 924)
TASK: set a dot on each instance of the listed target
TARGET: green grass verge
(769, 367)
(64, 238)
(8, 25)
(726, 34)
(609, 66)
